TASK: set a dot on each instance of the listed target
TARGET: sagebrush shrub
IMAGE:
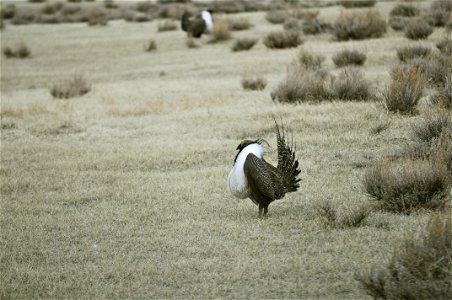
(97, 17)
(150, 46)
(349, 57)
(292, 24)
(310, 61)
(408, 185)
(437, 17)
(443, 97)
(166, 25)
(314, 26)
(277, 16)
(358, 25)
(445, 46)
(20, 51)
(405, 90)
(404, 10)
(410, 52)
(335, 219)
(240, 23)
(419, 268)
(351, 85)
(253, 83)
(282, 39)
(398, 23)
(75, 87)
(417, 29)
(430, 129)
(435, 67)
(357, 3)
(244, 44)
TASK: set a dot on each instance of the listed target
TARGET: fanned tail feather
(287, 162)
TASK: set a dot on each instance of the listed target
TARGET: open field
(121, 193)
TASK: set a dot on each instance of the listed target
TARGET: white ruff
(237, 182)
(207, 17)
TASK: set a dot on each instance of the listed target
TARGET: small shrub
(220, 31)
(332, 217)
(314, 26)
(21, 51)
(443, 97)
(349, 57)
(445, 46)
(75, 87)
(398, 23)
(8, 11)
(110, 4)
(358, 25)
(350, 84)
(430, 129)
(379, 127)
(150, 46)
(410, 52)
(253, 83)
(167, 25)
(436, 68)
(244, 44)
(445, 5)
(408, 185)
(97, 17)
(277, 16)
(302, 85)
(292, 24)
(405, 90)
(357, 3)
(404, 10)
(36, 1)
(241, 23)
(437, 17)
(282, 39)
(419, 268)
(48, 9)
(310, 61)
(418, 29)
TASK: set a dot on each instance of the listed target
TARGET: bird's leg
(265, 210)
(260, 211)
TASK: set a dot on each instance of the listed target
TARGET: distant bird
(252, 177)
(197, 25)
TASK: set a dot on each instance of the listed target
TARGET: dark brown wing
(263, 179)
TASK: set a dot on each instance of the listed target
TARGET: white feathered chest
(237, 182)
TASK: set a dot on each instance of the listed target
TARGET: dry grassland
(121, 193)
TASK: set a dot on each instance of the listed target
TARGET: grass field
(121, 193)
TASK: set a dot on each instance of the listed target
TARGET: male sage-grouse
(197, 25)
(252, 177)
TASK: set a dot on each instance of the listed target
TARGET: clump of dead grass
(404, 10)
(358, 25)
(244, 44)
(398, 23)
(254, 83)
(351, 85)
(419, 268)
(166, 25)
(239, 23)
(77, 86)
(97, 17)
(349, 57)
(445, 46)
(405, 90)
(417, 29)
(435, 67)
(410, 52)
(357, 3)
(443, 96)
(332, 217)
(310, 61)
(150, 46)
(277, 16)
(283, 39)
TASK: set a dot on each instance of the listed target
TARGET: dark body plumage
(194, 27)
(267, 183)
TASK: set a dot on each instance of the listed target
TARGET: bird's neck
(254, 148)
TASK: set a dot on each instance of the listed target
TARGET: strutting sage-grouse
(197, 25)
(252, 177)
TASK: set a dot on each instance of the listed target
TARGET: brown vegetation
(244, 44)
(417, 29)
(77, 86)
(349, 57)
(410, 52)
(358, 25)
(282, 39)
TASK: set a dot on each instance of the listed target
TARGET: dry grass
(166, 25)
(122, 193)
(150, 46)
(277, 16)
(351, 85)
(419, 267)
(335, 218)
(254, 83)
(436, 68)
(238, 24)
(221, 31)
(404, 10)
(309, 60)
(398, 23)
(404, 91)
(20, 51)
(445, 46)
(358, 25)
(443, 97)
(357, 3)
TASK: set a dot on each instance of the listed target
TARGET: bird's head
(243, 144)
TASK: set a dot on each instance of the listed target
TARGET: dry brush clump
(20, 51)
(254, 83)
(77, 86)
(435, 67)
(410, 52)
(150, 46)
(277, 16)
(350, 85)
(438, 14)
(398, 23)
(97, 17)
(420, 268)
(443, 96)
(404, 90)
(240, 23)
(283, 39)
(404, 10)
(243, 44)
(166, 25)
(418, 29)
(349, 57)
(334, 218)
(309, 60)
(357, 3)
(358, 25)
(445, 46)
